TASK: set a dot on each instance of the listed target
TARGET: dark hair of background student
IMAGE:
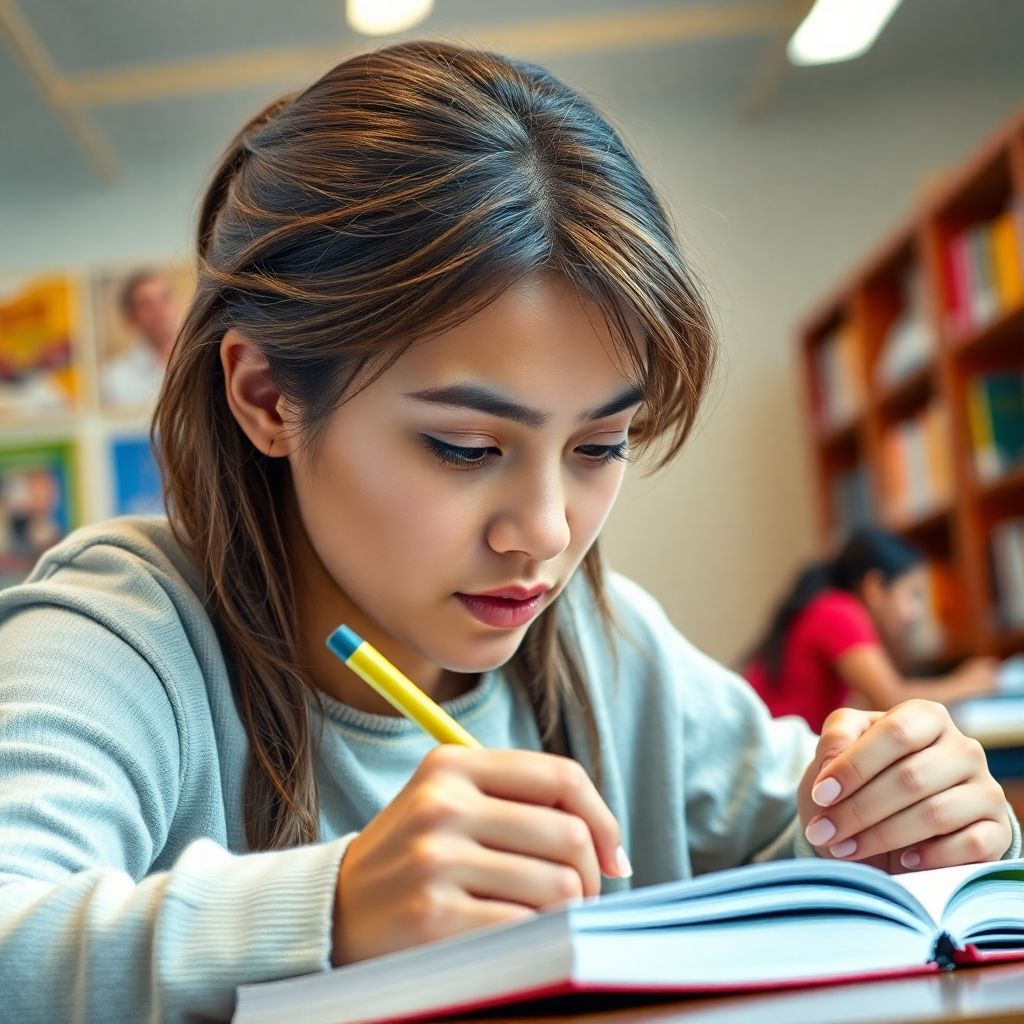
(392, 199)
(868, 549)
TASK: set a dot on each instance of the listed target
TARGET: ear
(872, 588)
(253, 398)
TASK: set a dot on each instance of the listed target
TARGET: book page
(934, 888)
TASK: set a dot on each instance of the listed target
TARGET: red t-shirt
(809, 684)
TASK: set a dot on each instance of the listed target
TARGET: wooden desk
(978, 995)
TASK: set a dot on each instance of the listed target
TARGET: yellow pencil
(397, 689)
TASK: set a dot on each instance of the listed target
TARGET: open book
(760, 926)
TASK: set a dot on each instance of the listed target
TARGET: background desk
(983, 995)
(998, 723)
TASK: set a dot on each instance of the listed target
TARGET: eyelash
(463, 458)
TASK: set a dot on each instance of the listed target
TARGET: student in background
(836, 637)
(439, 307)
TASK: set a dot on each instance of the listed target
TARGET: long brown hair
(393, 198)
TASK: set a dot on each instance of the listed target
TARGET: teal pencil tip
(343, 642)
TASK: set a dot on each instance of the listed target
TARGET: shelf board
(833, 437)
(1004, 334)
(1009, 483)
(901, 396)
(1010, 642)
(922, 522)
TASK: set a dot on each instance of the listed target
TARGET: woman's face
(485, 459)
(900, 606)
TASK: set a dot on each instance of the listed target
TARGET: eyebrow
(493, 403)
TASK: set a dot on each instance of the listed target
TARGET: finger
(907, 728)
(544, 833)
(451, 911)
(547, 780)
(982, 841)
(841, 730)
(902, 785)
(937, 815)
(510, 878)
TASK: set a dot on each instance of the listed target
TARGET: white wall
(774, 213)
(780, 211)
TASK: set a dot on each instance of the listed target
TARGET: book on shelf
(916, 464)
(1008, 564)
(984, 270)
(942, 611)
(908, 345)
(852, 500)
(840, 380)
(794, 922)
(995, 413)
(1008, 256)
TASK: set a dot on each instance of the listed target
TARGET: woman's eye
(458, 455)
(604, 453)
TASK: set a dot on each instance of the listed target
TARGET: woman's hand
(476, 837)
(902, 789)
(978, 675)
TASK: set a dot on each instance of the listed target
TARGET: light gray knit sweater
(126, 890)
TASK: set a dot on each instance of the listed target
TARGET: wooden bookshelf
(894, 339)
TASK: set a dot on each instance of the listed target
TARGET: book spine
(1004, 397)
(1006, 257)
(985, 460)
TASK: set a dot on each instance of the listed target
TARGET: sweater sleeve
(92, 755)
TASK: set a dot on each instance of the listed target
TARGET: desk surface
(978, 995)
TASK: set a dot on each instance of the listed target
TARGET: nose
(533, 518)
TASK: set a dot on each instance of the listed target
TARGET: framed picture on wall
(38, 502)
(135, 477)
(137, 314)
(39, 320)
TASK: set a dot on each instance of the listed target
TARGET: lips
(506, 607)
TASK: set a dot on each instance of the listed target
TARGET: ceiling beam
(538, 39)
(29, 50)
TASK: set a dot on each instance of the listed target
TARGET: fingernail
(824, 764)
(622, 862)
(825, 792)
(910, 859)
(820, 831)
(843, 849)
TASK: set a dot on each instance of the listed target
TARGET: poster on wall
(135, 476)
(138, 311)
(38, 503)
(38, 326)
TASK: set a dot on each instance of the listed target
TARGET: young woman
(438, 308)
(834, 638)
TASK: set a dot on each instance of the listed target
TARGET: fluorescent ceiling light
(382, 17)
(837, 30)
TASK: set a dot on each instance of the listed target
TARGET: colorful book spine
(995, 413)
(916, 466)
(1008, 257)
(840, 378)
(983, 268)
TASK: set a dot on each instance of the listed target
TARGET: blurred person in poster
(30, 502)
(151, 309)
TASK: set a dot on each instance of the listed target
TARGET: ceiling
(114, 85)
